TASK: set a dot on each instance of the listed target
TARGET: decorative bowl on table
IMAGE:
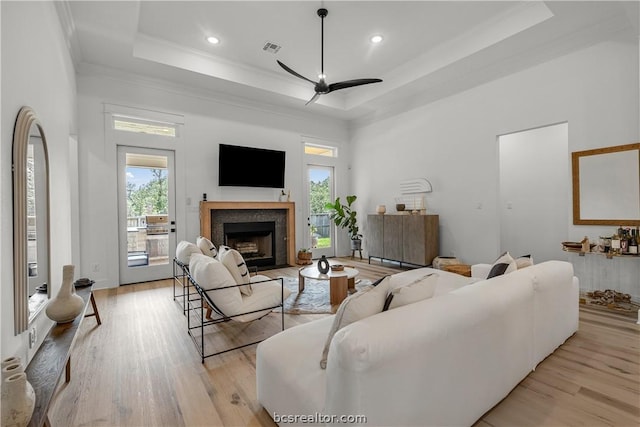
(400, 207)
(337, 267)
(83, 282)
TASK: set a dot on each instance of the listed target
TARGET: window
(320, 150)
(129, 124)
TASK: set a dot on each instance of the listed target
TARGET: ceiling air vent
(271, 47)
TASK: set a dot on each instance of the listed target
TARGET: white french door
(320, 229)
(146, 213)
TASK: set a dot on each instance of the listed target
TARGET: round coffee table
(339, 281)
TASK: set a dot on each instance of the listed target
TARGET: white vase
(10, 361)
(18, 403)
(67, 305)
(10, 366)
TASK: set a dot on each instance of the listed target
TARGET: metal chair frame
(196, 306)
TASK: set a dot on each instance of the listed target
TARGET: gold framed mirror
(606, 185)
(31, 240)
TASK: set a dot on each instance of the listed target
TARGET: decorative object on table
(83, 282)
(337, 267)
(345, 217)
(12, 360)
(323, 265)
(321, 87)
(413, 195)
(10, 366)
(440, 262)
(400, 207)
(67, 305)
(18, 402)
(304, 257)
(381, 209)
(574, 246)
(585, 244)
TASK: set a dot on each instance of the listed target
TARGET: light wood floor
(140, 368)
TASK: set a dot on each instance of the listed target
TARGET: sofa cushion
(184, 250)
(504, 264)
(417, 290)
(232, 259)
(266, 293)
(355, 307)
(210, 274)
(206, 246)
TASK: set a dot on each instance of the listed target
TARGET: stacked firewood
(609, 298)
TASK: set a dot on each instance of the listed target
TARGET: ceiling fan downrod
(322, 13)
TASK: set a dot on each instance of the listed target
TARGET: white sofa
(442, 361)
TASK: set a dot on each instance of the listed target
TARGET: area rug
(315, 297)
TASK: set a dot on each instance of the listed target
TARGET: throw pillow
(377, 282)
(207, 247)
(210, 274)
(184, 250)
(355, 307)
(504, 264)
(524, 261)
(417, 290)
(232, 259)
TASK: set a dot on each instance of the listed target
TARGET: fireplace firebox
(254, 240)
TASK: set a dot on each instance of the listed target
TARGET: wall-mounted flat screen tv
(250, 167)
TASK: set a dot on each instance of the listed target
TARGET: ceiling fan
(321, 87)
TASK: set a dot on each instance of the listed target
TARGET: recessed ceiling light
(213, 40)
(376, 39)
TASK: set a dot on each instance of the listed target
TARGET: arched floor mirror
(31, 243)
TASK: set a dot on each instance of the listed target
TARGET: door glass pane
(319, 195)
(147, 210)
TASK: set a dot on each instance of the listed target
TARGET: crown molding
(67, 24)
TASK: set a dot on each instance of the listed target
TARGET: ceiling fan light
(322, 76)
(213, 40)
(376, 39)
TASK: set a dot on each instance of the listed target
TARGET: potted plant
(304, 256)
(345, 217)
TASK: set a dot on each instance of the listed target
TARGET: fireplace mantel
(209, 207)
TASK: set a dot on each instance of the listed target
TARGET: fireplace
(254, 240)
(214, 214)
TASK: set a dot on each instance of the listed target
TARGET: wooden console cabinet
(410, 239)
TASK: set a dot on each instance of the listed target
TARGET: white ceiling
(431, 49)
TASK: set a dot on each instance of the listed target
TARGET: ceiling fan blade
(289, 70)
(314, 99)
(351, 83)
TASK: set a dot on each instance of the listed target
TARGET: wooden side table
(462, 269)
(339, 281)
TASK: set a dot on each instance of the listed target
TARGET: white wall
(535, 188)
(36, 71)
(206, 124)
(453, 142)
